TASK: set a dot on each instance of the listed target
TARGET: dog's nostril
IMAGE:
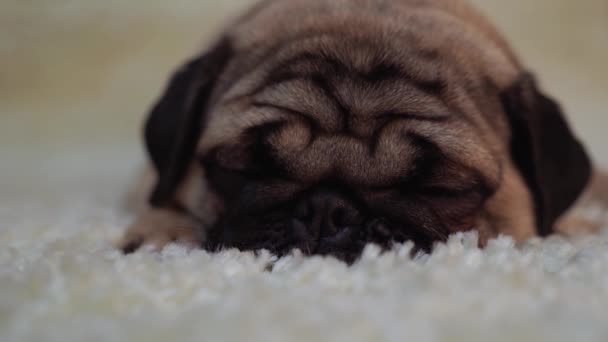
(324, 214)
(343, 215)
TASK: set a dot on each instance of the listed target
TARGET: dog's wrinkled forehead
(330, 60)
(350, 105)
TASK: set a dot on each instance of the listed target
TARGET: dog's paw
(158, 228)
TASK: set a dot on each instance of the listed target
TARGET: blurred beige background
(78, 75)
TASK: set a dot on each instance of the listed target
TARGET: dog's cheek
(459, 212)
(510, 211)
(198, 198)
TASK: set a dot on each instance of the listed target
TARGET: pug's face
(344, 125)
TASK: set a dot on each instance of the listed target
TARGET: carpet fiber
(62, 280)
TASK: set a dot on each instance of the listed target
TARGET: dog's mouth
(345, 244)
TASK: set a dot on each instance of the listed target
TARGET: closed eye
(227, 182)
(252, 188)
(390, 116)
(434, 191)
(250, 156)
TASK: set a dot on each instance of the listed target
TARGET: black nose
(326, 220)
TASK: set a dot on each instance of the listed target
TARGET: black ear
(174, 124)
(550, 158)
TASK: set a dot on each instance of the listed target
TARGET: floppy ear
(550, 158)
(174, 124)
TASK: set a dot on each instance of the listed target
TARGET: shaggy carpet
(62, 280)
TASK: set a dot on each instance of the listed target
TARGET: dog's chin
(282, 239)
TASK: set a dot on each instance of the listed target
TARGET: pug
(325, 125)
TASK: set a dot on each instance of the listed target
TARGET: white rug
(61, 279)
